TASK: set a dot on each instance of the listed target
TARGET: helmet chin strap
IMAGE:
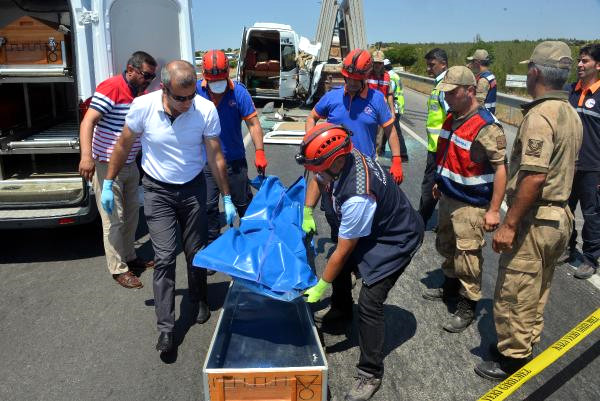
(333, 175)
(362, 86)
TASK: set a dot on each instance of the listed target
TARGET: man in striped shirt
(100, 129)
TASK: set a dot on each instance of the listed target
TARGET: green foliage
(506, 56)
(233, 63)
(405, 55)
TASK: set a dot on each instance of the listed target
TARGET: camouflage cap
(378, 56)
(479, 54)
(456, 76)
(551, 53)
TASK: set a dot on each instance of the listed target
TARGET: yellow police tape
(541, 362)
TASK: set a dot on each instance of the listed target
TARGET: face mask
(218, 86)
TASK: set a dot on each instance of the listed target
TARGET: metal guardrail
(502, 98)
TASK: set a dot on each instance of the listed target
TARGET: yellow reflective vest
(436, 114)
(398, 92)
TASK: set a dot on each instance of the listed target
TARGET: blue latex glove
(108, 198)
(230, 212)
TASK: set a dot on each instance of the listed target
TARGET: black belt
(560, 204)
(172, 185)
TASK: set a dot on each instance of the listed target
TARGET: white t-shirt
(357, 216)
(172, 153)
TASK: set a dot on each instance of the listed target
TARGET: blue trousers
(586, 192)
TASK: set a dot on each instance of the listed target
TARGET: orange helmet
(215, 65)
(322, 145)
(357, 64)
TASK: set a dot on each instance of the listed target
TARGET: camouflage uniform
(460, 236)
(547, 142)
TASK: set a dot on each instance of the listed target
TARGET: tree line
(505, 56)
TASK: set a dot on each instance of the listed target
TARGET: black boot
(501, 368)
(333, 314)
(463, 317)
(200, 312)
(448, 291)
(165, 342)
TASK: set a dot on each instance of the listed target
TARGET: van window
(288, 57)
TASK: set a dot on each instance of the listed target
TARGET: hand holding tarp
(308, 221)
(260, 161)
(107, 197)
(230, 212)
(315, 293)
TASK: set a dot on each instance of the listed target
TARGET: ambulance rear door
(288, 77)
(162, 28)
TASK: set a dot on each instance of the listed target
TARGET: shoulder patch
(501, 142)
(534, 147)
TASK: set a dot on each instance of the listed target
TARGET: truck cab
(268, 62)
(53, 54)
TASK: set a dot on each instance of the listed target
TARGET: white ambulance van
(53, 53)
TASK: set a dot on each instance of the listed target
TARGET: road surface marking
(545, 359)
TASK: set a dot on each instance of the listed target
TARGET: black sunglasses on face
(148, 76)
(180, 98)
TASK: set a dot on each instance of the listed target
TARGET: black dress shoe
(165, 342)
(203, 312)
(501, 369)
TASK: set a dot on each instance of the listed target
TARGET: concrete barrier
(508, 107)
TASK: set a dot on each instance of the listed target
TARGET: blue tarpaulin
(267, 252)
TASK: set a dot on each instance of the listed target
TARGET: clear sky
(220, 24)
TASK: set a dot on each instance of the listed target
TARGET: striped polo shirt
(380, 83)
(111, 99)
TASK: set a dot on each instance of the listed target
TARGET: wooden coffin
(32, 41)
(264, 349)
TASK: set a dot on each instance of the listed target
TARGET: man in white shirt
(179, 135)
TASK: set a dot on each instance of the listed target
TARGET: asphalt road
(69, 332)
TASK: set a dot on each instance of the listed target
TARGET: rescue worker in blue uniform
(379, 233)
(360, 109)
(234, 105)
(479, 63)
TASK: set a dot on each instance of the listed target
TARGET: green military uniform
(460, 236)
(547, 141)
(483, 87)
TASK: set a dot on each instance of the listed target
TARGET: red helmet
(357, 64)
(322, 145)
(215, 65)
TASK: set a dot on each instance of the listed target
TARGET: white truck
(276, 63)
(53, 53)
(268, 62)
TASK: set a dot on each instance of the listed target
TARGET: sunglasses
(148, 76)
(180, 98)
